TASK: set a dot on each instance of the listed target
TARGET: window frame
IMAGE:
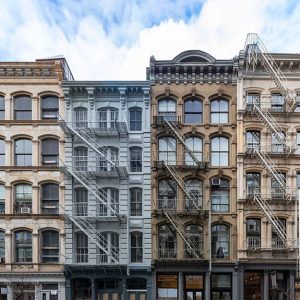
(253, 236)
(108, 117)
(51, 247)
(192, 143)
(52, 200)
(80, 117)
(27, 255)
(135, 119)
(23, 110)
(190, 113)
(24, 155)
(170, 112)
(49, 112)
(22, 202)
(136, 201)
(136, 246)
(166, 142)
(218, 150)
(165, 240)
(2, 108)
(220, 233)
(81, 247)
(81, 200)
(219, 112)
(167, 195)
(253, 139)
(222, 190)
(54, 154)
(136, 159)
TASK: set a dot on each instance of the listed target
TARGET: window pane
(193, 111)
(135, 119)
(167, 287)
(194, 281)
(136, 159)
(23, 108)
(2, 153)
(2, 108)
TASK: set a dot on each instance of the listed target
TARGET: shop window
(253, 287)
(82, 288)
(221, 287)
(137, 289)
(167, 287)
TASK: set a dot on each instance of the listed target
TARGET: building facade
(107, 196)
(31, 184)
(193, 145)
(268, 175)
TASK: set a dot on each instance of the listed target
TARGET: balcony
(171, 117)
(173, 254)
(272, 193)
(270, 103)
(271, 244)
(83, 257)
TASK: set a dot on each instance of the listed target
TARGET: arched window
(23, 246)
(167, 109)
(252, 140)
(167, 242)
(111, 198)
(167, 190)
(194, 234)
(80, 161)
(23, 198)
(251, 99)
(2, 108)
(136, 160)
(50, 152)
(49, 107)
(219, 151)
(50, 246)
(135, 119)
(277, 190)
(277, 242)
(111, 255)
(220, 242)
(50, 198)
(219, 111)
(194, 187)
(253, 182)
(136, 202)
(2, 153)
(193, 111)
(23, 152)
(108, 117)
(81, 202)
(167, 150)
(81, 247)
(2, 246)
(277, 101)
(80, 118)
(220, 191)
(2, 199)
(136, 242)
(195, 144)
(277, 146)
(253, 233)
(23, 108)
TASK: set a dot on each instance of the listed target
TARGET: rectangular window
(135, 120)
(167, 287)
(136, 247)
(23, 198)
(50, 246)
(2, 199)
(2, 108)
(50, 198)
(49, 107)
(23, 108)
(23, 152)
(82, 249)
(2, 153)
(136, 202)
(221, 286)
(50, 152)
(136, 159)
(277, 101)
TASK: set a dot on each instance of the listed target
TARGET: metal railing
(272, 193)
(182, 205)
(257, 243)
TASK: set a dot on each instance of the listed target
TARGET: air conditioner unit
(25, 210)
(216, 181)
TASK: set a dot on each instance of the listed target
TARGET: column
(68, 289)
(35, 199)
(180, 286)
(35, 110)
(10, 292)
(207, 286)
(8, 248)
(292, 285)
(61, 291)
(8, 114)
(35, 247)
(9, 205)
(35, 153)
(94, 296)
(235, 285)
(8, 153)
(266, 285)
(36, 291)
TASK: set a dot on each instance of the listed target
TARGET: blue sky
(114, 39)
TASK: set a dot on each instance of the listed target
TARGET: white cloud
(92, 47)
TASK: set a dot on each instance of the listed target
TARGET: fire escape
(171, 124)
(85, 170)
(256, 52)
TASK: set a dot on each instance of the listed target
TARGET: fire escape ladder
(178, 134)
(270, 214)
(178, 177)
(179, 226)
(256, 50)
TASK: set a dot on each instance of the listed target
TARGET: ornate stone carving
(146, 97)
(123, 98)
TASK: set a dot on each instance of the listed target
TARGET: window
(167, 287)
(81, 247)
(112, 154)
(49, 107)
(277, 190)
(251, 99)
(220, 191)
(111, 197)
(167, 109)
(108, 118)
(137, 288)
(298, 142)
(23, 246)
(2, 199)
(219, 151)
(253, 233)
(50, 246)
(221, 287)
(167, 242)
(167, 190)
(2, 108)
(136, 202)
(277, 145)
(23, 152)
(2, 246)
(195, 144)
(253, 183)
(136, 239)
(50, 198)
(194, 235)
(193, 111)
(23, 108)
(219, 111)
(23, 198)
(82, 288)
(194, 188)
(80, 161)
(193, 287)
(49, 152)
(277, 242)
(220, 241)
(136, 160)
(135, 119)
(167, 150)
(277, 101)
(2, 153)
(112, 248)
(80, 117)
(81, 202)
(298, 100)
(252, 140)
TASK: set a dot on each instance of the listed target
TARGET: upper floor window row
(273, 102)
(193, 110)
(22, 107)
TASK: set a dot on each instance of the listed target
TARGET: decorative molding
(123, 98)
(146, 97)
(91, 96)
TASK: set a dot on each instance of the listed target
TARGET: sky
(114, 39)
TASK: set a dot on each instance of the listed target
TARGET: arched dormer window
(22, 108)
(219, 109)
(193, 111)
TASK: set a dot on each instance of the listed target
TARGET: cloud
(113, 40)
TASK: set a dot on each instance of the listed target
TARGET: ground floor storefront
(99, 283)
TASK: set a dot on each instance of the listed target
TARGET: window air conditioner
(216, 181)
(25, 210)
